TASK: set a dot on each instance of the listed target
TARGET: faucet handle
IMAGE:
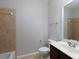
(69, 43)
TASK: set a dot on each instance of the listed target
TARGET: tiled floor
(33, 56)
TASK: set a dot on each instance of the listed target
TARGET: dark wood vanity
(57, 54)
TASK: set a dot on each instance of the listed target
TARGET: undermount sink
(68, 48)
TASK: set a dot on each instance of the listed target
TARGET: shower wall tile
(7, 30)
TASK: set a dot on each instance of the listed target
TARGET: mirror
(71, 20)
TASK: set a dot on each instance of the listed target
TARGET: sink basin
(67, 48)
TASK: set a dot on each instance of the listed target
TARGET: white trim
(25, 55)
(62, 23)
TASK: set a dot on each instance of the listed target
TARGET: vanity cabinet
(57, 54)
(64, 56)
(53, 52)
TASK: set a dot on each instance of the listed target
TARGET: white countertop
(66, 50)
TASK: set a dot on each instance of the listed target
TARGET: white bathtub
(8, 55)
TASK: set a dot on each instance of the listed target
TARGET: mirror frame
(62, 16)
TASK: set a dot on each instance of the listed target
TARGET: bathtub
(8, 55)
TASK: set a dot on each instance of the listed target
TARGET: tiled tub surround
(30, 56)
(8, 55)
(7, 30)
(34, 55)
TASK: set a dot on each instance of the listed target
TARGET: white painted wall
(31, 23)
(55, 16)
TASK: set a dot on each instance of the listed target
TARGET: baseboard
(25, 55)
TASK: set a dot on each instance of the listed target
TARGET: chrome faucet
(72, 44)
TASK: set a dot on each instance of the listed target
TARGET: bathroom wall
(31, 23)
(55, 18)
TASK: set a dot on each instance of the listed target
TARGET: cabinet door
(53, 53)
(64, 56)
